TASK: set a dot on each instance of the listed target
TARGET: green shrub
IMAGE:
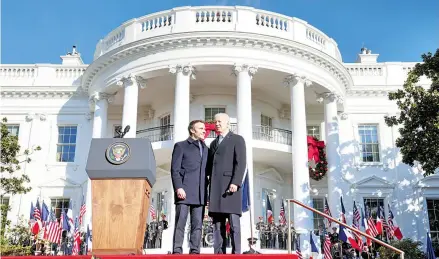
(411, 249)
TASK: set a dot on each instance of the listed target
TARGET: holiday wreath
(317, 164)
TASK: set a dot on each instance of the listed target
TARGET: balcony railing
(220, 19)
(156, 134)
(264, 133)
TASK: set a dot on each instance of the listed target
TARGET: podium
(122, 173)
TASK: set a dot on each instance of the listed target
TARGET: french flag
(392, 224)
(270, 217)
(344, 234)
(379, 221)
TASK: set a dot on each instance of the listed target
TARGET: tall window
(317, 203)
(13, 129)
(58, 205)
(369, 144)
(165, 130)
(373, 204)
(433, 221)
(313, 131)
(270, 194)
(209, 113)
(66, 146)
(266, 127)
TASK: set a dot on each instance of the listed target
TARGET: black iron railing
(162, 133)
(270, 134)
(264, 133)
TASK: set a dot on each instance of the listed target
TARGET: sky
(39, 31)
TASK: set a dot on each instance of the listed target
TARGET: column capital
(130, 79)
(250, 69)
(97, 96)
(330, 97)
(294, 79)
(187, 70)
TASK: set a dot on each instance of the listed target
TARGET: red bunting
(209, 127)
(313, 148)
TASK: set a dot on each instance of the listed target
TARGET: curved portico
(178, 65)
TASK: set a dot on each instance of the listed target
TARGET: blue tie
(201, 148)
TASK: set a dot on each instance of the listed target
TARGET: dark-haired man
(188, 173)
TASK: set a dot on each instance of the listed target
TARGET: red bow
(313, 148)
(209, 127)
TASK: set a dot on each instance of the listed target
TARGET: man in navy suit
(226, 167)
(188, 173)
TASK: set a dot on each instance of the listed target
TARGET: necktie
(220, 139)
(201, 148)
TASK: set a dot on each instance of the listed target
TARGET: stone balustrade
(41, 75)
(217, 19)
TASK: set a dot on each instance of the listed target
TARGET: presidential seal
(118, 153)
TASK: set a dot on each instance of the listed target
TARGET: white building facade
(280, 80)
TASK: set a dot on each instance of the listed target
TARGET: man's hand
(233, 188)
(181, 194)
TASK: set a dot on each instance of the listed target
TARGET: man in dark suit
(226, 167)
(189, 179)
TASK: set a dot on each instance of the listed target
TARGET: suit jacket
(188, 171)
(226, 165)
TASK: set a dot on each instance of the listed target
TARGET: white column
(184, 73)
(303, 221)
(332, 152)
(100, 121)
(130, 102)
(244, 75)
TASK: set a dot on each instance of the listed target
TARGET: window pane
(368, 135)
(13, 129)
(66, 143)
(209, 113)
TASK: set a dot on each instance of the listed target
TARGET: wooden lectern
(122, 174)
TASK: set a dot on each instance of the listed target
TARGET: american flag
(82, 210)
(298, 252)
(53, 229)
(370, 227)
(37, 225)
(327, 211)
(326, 245)
(390, 230)
(76, 239)
(384, 221)
(356, 224)
(152, 211)
(283, 219)
(37, 212)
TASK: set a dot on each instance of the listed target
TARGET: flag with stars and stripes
(326, 245)
(82, 210)
(283, 219)
(53, 229)
(37, 226)
(356, 224)
(327, 211)
(298, 251)
(370, 226)
(152, 211)
(76, 239)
